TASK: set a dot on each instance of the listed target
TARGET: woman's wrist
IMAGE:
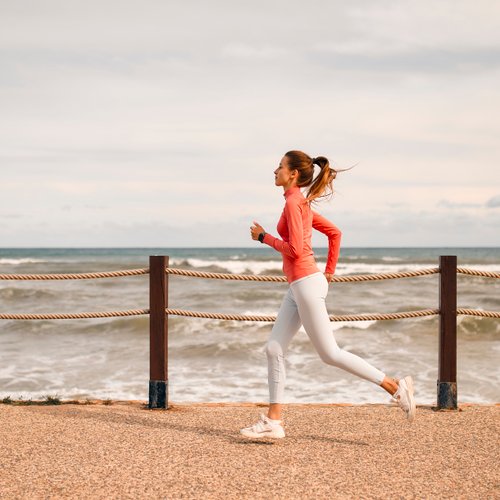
(261, 236)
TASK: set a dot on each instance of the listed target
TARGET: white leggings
(304, 304)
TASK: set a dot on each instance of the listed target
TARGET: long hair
(322, 185)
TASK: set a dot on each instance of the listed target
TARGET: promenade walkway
(194, 451)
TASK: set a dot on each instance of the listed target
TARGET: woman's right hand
(255, 230)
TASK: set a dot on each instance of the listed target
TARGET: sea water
(212, 360)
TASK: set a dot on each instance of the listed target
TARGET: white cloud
(493, 202)
(452, 204)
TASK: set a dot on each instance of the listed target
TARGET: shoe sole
(413, 407)
(261, 436)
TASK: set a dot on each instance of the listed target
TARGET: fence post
(447, 375)
(158, 332)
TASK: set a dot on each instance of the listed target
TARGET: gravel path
(194, 451)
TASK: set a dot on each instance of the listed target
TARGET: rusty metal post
(447, 375)
(158, 332)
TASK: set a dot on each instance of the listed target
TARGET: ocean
(217, 361)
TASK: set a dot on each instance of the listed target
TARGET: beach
(125, 450)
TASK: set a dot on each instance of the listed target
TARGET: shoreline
(246, 404)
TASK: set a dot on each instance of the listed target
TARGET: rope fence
(159, 312)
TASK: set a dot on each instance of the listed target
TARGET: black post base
(447, 395)
(158, 394)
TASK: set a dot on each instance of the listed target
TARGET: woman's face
(283, 176)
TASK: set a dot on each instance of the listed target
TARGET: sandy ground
(195, 451)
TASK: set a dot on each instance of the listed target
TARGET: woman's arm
(334, 234)
(295, 246)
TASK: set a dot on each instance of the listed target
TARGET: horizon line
(224, 247)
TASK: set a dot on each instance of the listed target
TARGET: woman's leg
(309, 295)
(287, 324)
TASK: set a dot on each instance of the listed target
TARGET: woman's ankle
(274, 412)
(390, 385)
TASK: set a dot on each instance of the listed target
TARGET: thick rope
(224, 276)
(241, 317)
(357, 317)
(336, 279)
(474, 272)
(78, 276)
(475, 312)
(109, 314)
(210, 315)
(240, 277)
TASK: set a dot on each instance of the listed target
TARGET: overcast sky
(159, 123)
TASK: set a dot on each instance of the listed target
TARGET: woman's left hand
(329, 277)
(255, 230)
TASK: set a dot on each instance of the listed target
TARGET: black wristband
(261, 237)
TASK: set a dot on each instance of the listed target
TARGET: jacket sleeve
(334, 235)
(295, 246)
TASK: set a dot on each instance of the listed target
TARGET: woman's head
(297, 168)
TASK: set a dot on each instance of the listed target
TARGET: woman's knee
(331, 356)
(273, 349)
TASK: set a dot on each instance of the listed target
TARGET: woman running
(304, 304)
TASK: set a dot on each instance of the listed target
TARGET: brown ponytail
(319, 187)
(322, 186)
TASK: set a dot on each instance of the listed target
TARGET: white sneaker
(264, 428)
(404, 397)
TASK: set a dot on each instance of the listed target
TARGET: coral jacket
(295, 227)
